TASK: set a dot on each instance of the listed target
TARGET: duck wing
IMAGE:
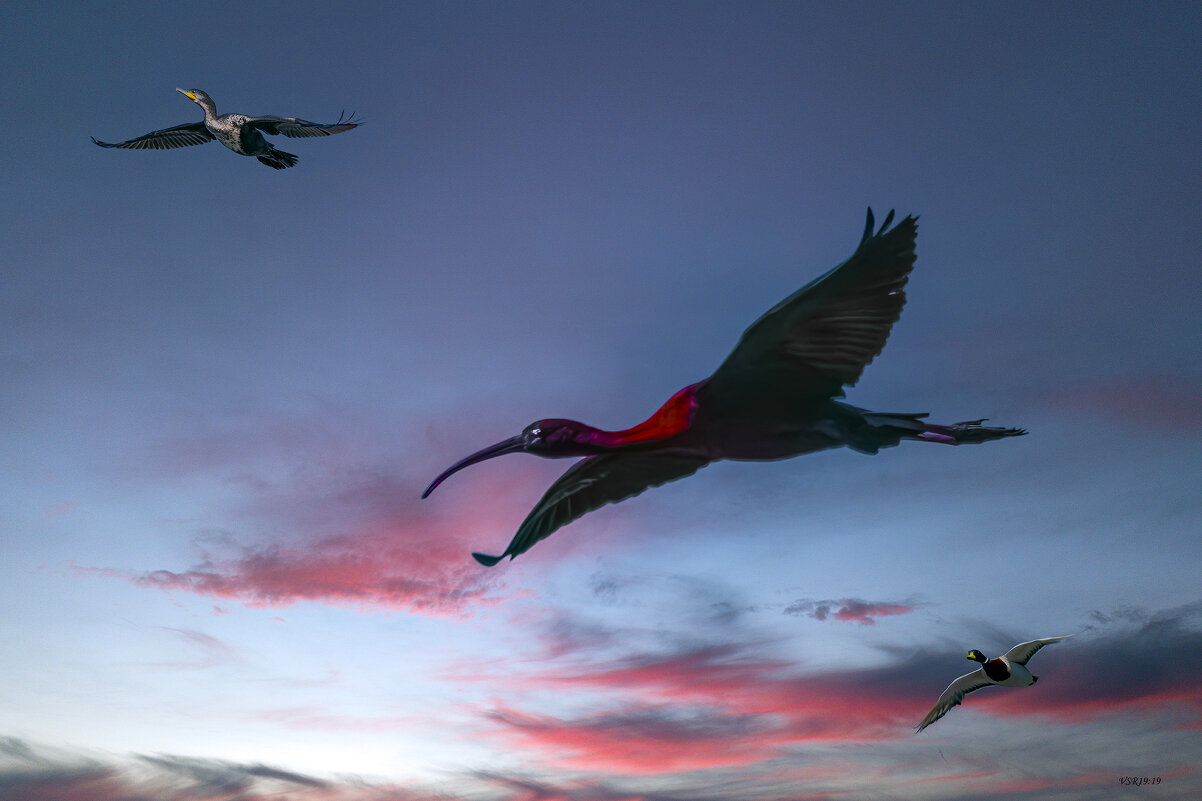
(192, 133)
(827, 332)
(1020, 653)
(297, 128)
(590, 484)
(954, 694)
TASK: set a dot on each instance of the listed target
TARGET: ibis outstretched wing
(825, 334)
(590, 484)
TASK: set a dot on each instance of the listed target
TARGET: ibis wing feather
(954, 694)
(828, 331)
(1020, 653)
(192, 133)
(297, 128)
(593, 482)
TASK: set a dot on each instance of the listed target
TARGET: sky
(225, 387)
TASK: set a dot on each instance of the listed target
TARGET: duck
(1007, 670)
(238, 132)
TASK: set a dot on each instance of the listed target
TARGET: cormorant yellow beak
(190, 95)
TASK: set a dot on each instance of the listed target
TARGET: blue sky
(225, 388)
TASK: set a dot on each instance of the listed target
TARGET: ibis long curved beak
(511, 445)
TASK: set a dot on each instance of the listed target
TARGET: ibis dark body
(774, 397)
(239, 132)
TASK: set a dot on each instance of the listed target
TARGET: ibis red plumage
(773, 398)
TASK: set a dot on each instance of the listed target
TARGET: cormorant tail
(278, 159)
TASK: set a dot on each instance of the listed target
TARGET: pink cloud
(1160, 401)
(61, 509)
(729, 706)
(408, 558)
(1143, 665)
(707, 708)
(1070, 705)
(809, 707)
(865, 611)
(640, 743)
(341, 532)
(849, 609)
(389, 568)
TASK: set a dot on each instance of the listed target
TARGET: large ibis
(773, 398)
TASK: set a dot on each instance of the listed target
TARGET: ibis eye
(536, 432)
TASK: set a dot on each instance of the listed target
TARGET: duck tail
(278, 159)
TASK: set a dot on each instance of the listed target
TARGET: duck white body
(1007, 670)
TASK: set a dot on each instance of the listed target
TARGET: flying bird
(238, 132)
(773, 397)
(1007, 670)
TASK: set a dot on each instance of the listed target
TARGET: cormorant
(238, 132)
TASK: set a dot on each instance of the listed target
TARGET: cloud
(672, 709)
(703, 707)
(1129, 661)
(209, 650)
(387, 551)
(1164, 401)
(384, 569)
(189, 776)
(293, 718)
(726, 722)
(849, 609)
(639, 740)
(33, 773)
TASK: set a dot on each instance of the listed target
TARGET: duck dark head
(551, 438)
(977, 656)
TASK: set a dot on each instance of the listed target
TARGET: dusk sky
(223, 389)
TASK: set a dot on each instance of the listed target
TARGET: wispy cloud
(1128, 661)
(1163, 401)
(639, 740)
(709, 706)
(849, 609)
(383, 569)
(676, 709)
(392, 553)
(208, 650)
(32, 773)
